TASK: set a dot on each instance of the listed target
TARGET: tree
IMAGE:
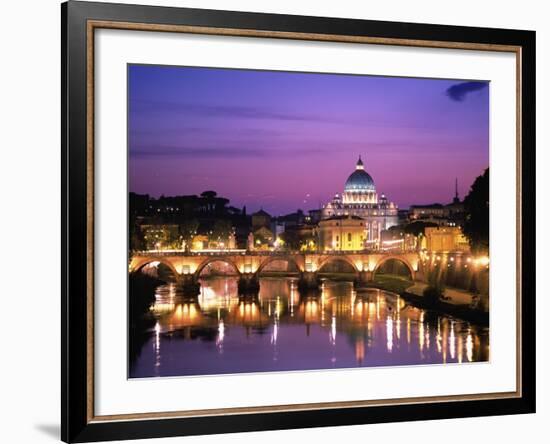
(476, 208)
(309, 243)
(209, 194)
(170, 238)
(137, 241)
(291, 239)
(221, 230)
(416, 228)
(188, 230)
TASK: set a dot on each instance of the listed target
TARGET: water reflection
(280, 329)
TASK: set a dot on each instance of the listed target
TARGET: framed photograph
(275, 221)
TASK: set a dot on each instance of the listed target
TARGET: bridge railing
(164, 253)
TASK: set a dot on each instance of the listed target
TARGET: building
(397, 240)
(360, 200)
(342, 233)
(161, 236)
(202, 214)
(445, 239)
(300, 237)
(261, 219)
(263, 238)
(202, 242)
(262, 234)
(314, 216)
(451, 215)
(199, 242)
(296, 231)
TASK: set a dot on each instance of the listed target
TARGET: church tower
(456, 199)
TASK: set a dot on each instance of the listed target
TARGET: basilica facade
(360, 211)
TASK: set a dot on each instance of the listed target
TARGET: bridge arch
(338, 258)
(400, 259)
(146, 261)
(287, 259)
(213, 259)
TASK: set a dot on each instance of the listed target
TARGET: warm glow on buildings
(439, 239)
(360, 199)
(342, 233)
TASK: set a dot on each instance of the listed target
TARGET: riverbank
(453, 296)
(460, 311)
(395, 284)
(457, 302)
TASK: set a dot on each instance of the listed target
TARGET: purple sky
(283, 140)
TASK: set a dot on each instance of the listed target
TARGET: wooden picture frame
(79, 22)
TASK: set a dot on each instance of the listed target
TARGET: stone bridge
(187, 267)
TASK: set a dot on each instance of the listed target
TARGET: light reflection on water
(219, 332)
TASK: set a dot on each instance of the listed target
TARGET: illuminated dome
(359, 180)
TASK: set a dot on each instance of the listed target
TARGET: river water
(281, 330)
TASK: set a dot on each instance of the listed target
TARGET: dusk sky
(282, 141)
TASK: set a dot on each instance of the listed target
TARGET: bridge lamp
(483, 260)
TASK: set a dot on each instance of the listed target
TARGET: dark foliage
(418, 227)
(142, 294)
(476, 205)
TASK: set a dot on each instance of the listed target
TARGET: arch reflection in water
(279, 329)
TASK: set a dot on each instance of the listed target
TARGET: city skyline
(283, 141)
